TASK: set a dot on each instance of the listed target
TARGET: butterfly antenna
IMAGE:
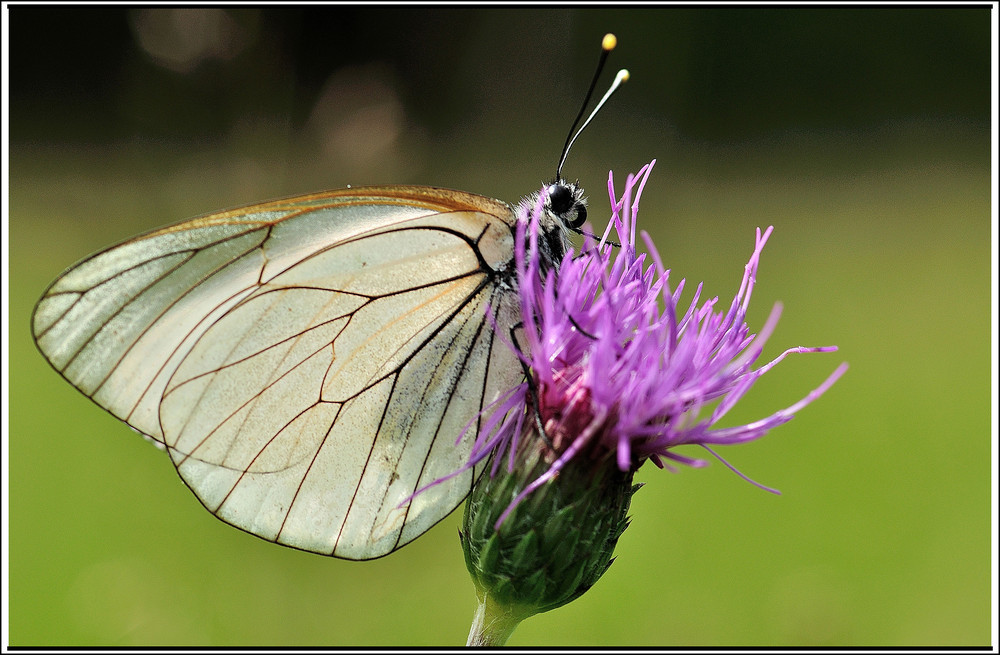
(608, 44)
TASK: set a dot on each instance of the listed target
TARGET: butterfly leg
(532, 389)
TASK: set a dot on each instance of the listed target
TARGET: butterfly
(308, 363)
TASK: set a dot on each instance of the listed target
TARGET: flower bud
(551, 547)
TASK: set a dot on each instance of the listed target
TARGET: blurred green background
(861, 134)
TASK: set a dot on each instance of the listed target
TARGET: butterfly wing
(307, 363)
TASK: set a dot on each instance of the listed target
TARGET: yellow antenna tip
(609, 42)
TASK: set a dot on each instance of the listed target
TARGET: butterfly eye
(561, 200)
(565, 203)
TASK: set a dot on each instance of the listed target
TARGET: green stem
(492, 625)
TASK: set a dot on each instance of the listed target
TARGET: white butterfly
(309, 363)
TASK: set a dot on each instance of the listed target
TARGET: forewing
(308, 363)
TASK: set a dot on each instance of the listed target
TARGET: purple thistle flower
(611, 371)
(618, 373)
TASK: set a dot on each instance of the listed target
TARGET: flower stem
(492, 624)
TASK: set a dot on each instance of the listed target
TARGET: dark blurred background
(719, 73)
(861, 133)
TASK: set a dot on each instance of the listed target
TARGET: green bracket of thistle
(554, 545)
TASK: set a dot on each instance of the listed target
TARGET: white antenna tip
(622, 76)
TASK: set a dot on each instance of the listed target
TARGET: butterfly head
(566, 203)
(563, 210)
